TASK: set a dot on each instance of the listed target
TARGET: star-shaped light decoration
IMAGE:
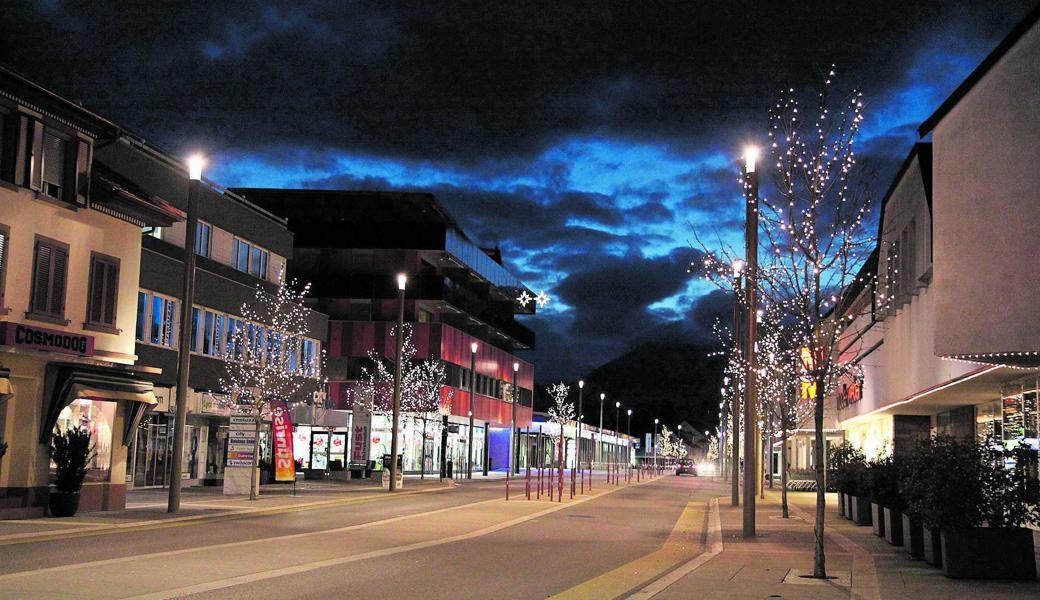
(524, 299)
(542, 299)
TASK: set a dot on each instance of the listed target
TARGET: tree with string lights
(560, 413)
(815, 242)
(264, 365)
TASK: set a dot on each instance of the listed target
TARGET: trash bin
(449, 469)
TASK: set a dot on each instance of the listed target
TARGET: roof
(922, 151)
(113, 190)
(71, 112)
(980, 71)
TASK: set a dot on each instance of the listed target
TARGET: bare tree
(266, 358)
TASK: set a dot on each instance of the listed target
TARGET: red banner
(281, 431)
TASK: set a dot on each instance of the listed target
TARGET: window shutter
(79, 174)
(111, 293)
(41, 277)
(54, 149)
(34, 151)
(97, 291)
(57, 291)
(3, 264)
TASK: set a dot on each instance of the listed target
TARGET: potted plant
(1003, 549)
(845, 472)
(942, 489)
(71, 451)
(882, 481)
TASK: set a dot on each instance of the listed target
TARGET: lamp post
(195, 164)
(599, 445)
(617, 438)
(738, 268)
(581, 388)
(654, 444)
(514, 458)
(472, 379)
(628, 442)
(402, 281)
(750, 418)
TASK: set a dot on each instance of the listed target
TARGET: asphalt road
(465, 542)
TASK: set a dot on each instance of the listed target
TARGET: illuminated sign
(38, 338)
(850, 392)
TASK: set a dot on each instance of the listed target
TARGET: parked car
(686, 467)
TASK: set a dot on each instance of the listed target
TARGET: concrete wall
(987, 203)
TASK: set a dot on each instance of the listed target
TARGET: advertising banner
(281, 432)
(359, 450)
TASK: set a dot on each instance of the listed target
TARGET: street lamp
(654, 442)
(514, 459)
(599, 446)
(402, 281)
(734, 405)
(628, 443)
(750, 418)
(472, 398)
(581, 388)
(617, 438)
(195, 164)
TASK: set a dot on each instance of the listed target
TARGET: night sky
(587, 139)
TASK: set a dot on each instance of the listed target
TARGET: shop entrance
(152, 453)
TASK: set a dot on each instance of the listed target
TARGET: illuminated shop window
(96, 417)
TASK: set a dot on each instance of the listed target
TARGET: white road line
(714, 549)
(295, 570)
(292, 536)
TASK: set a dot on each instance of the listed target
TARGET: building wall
(987, 198)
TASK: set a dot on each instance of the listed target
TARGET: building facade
(351, 246)
(70, 258)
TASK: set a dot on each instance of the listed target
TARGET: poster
(281, 432)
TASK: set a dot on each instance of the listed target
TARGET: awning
(68, 382)
(6, 389)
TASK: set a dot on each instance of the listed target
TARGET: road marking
(297, 569)
(93, 529)
(715, 548)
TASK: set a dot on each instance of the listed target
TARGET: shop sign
(28, 337)
(281, 432)
(850, 392)
(241, 441)
(362, 426)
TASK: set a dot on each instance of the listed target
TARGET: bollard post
(527, 484)
(507, 482)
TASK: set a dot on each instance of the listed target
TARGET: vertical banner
(281, 433)
(361, 428)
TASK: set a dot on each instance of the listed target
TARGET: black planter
(848, 506)
(988, 553)
(877, 519)
(861, 510)
(841, 504)
(933, 547)
(893, 526)
(913, 536)
(63, 504)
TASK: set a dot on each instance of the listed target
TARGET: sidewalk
(865, 566)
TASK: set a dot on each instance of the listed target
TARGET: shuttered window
(53, 164)
(5, 236)
(104, 290)
(49, 275)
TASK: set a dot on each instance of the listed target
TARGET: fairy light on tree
(815, 242)
(560, 413)
(265, 361)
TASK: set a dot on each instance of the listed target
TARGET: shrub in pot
(71, 451)
(1003, 549)
(845, 467)
(882, 478)
(942, 489)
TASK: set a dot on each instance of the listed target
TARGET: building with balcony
(350, 246)
(70, 260)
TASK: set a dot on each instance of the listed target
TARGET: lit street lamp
(738, 269)
(402, 281)
(514, 458)
(599, 445)
(581, 388)
(195, 164)
(653, 440)
(617, 438)
(472, 398)
(750, 418)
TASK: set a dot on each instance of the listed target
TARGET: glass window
(50, 268)
(207, 338)
(203, 233)
(195, 329)
(97, 417)
(142, 317)
(241, 258)
(254, 262)
(103, 291)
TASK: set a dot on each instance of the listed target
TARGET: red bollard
(527, 484)
(507, 482)
(539, 482)
(581, 473)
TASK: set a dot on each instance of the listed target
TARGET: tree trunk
(422, 454)
(819, 559)
(783, 464)
(256, 459)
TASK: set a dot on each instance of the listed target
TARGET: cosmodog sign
(28, 337)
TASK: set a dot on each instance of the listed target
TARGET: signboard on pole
(281, 433)
(362, 426)
(241, 441)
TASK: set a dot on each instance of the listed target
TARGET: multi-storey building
(351, 246)
(70, 257)
(239, 246)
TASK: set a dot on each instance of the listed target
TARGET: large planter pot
(841, 504)
(933, 547)
(861, 510)
(913, 536)
(877, 519)
(893, 526)
(63, 504)
(988, 553)
(848, 506)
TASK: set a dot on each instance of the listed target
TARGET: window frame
(33, 311)
(149, 313)
(66, 139)
(5, 253)
(203, 246)
(264, 258)
(96, 258)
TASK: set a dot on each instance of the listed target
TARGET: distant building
(70, 258)
(350, 246)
